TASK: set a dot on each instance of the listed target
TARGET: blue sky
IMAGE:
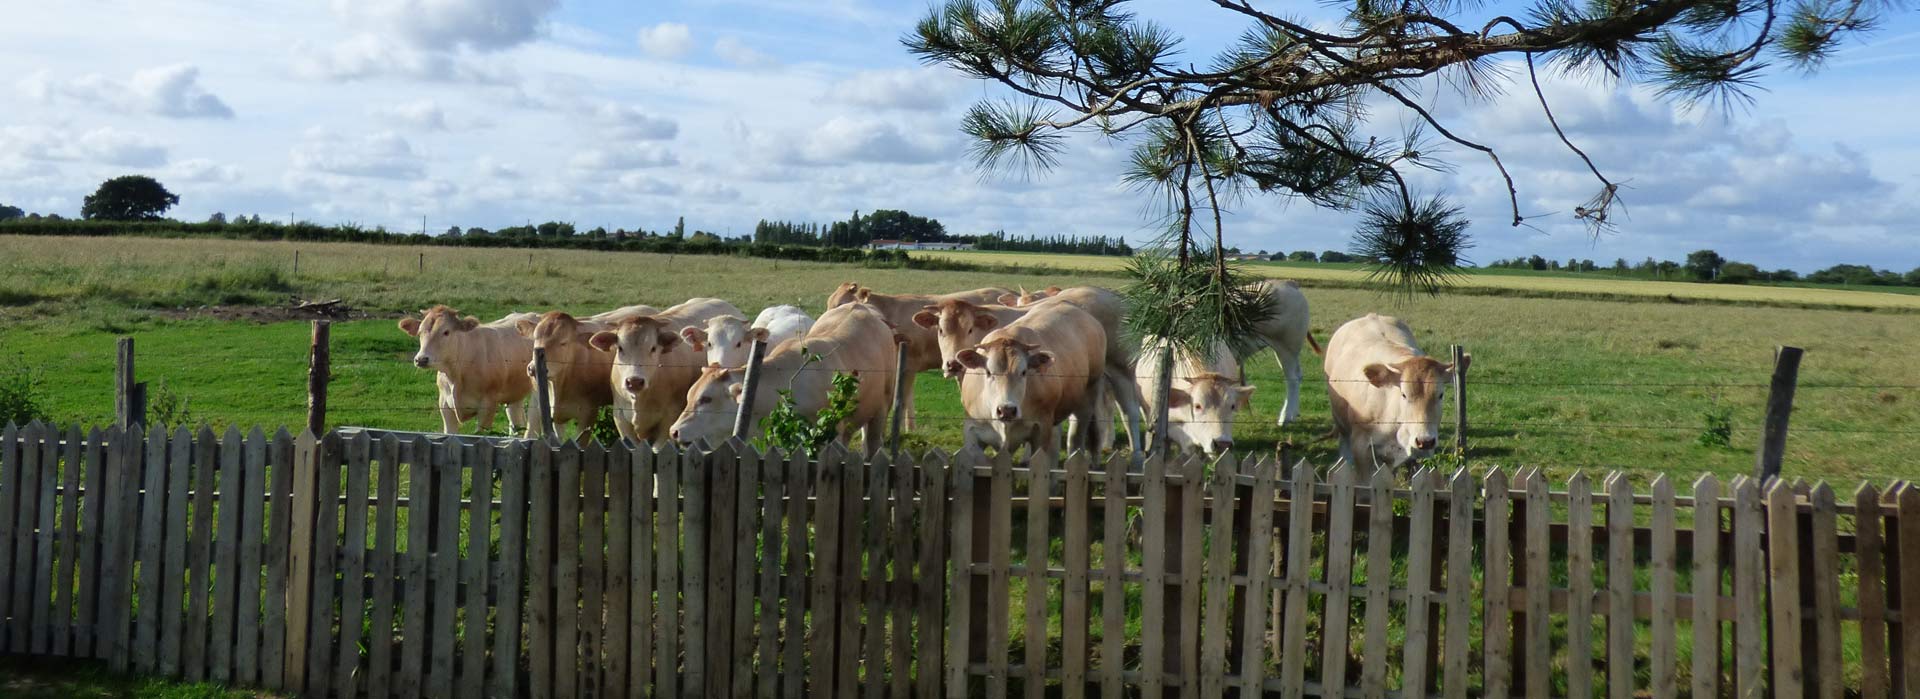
(616, 113)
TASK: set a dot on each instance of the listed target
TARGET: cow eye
(706, 399)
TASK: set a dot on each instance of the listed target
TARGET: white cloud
(843, 140)
(624, 157)
(368, 57)
(105, 146)
(737, 52)
(202, 170)
(383, 155)
(666, 40)
(170, 91)
(922, 89)
(491, 167)
(424, 115)
(628, 122)
(482, 25)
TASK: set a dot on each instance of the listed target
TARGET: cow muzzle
(1006, 412)
(422, 361)
(1221, 445)
(953, 369)
(635, 384)
(1424, 443)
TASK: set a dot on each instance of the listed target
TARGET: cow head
(1027, 298)
(726, 339)
(640, 346)
(1003, 367)
(1415, 388)
(563, 338)
(439, 330)
(958, 325)
(1200, 412)
(843, 294)
(712, 402)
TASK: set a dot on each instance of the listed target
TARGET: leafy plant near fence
(790, 430)
(21, 397)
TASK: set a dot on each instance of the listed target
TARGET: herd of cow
(1028, 364)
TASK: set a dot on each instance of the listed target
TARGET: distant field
(1560, 383)
(1532, 283)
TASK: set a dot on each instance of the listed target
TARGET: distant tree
(890, 224)
(1303, 256)
(1620, 264)
(218, 219)
(1588, 266)
(452, 232)
(1784, 275)
(1738, 273)
(1335, 256)
(11, 212)
(129, 198)
(477, 232)
(680, 228)
(1704, 265)
(1913, 277)
(1537, 263)
(1856, 275)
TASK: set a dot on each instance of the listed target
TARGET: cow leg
(873, 434)
(1126, 394)
(517, 417)
(487, 413)
(1290, 364)
(449, 419)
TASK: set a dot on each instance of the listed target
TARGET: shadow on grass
(57, 678)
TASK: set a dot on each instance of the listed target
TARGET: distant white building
(906, 245)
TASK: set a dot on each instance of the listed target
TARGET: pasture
(1558, 383)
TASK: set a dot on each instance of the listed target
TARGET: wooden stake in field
(542, 401)
(1773, 440)
(743, 418)
(318, 373)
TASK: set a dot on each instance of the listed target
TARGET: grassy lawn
(44, 678)
(1561, 383)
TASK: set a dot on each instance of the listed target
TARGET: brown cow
(1110, 309)
(478, 367)
(1385, 393)
(851, 338)
(652, 367)
(923, 349)
(1024, 379)
(578, 383)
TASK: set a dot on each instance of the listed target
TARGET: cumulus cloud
(861, 140)
(107, 146)
(737, 52)
(921, 89)
(666, 40)
(616, 158)
(383, 155)
(202, 170)
(368, 57)
(482, 25)
(629, 122)
(170, 91)
(424, 115)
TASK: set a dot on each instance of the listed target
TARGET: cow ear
(603, 341)
(985, 321)
(1039, 360)
(1382, 375)
(667, 340)
(926, 319)
(410, 326)
(1177, 398)
(695, 337)
(469, 323)
(971, 359)
(1466, 360)
(1053, 290)
(1243, 397)
(736, 390)
(1009, 300)
(759, 334)
(862, 295)
(526, 327)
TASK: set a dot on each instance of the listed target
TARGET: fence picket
(616, 678)
(795, 587)
(479, 535)
(1707, 630)
(87, 640)
(1293, 646)
(1619, 587)
(644, 494)
(666, 539)
(1664, 652)
(592, 532)
(508, 621)
(1748, 592)
(900, 599)
(67, 559)
(1417, 653)
(326, 537)
(999, 590)
(12, 472)
(252, 493)
(846, 653)
(827, 489)
(1825, 577)
(1496, 636)
(353, 561)
(748, 557)
(380, 567)
(1260, 547)
(773, 480)
(1073, 607)
(273, 623)
(1910, 588)
(695, 512)
(414, 642)
(1579, 586)
(1539, 637)
(1038, 540)
(960, 625)
(1153, 570)
(206, 462)
(1872, 595)
(1373, 655)
(872, 633)
(1219, 588)
(226, 558)
(174, 558)
(1783, 559)
(933, 583)
(152, 539)
(1184, 654)
(121, 486)
(41, 576)
(715, 559)
(566, 572)
(1113, 587)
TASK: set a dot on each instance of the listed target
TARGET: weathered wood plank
(1539, 625)
(41, 580)
(1184, 654)
(120, 484)
(88, 638)
(900, 599)
(1293, 644)
(1417, 658)
(933, 583)
(1335, 617)
(872, 633)
(1749, 597)
(1664, 652)
(12, 478)
(962, 520)
(1579, 586)
(1260, 547)
(380, 567)
(66, 563)
(1153, 569)
(248, 471)
(353, 562)
(748, 557)
(1825, 577)
(1073, 596)
(1619, 587)
(479, 535)
(226, 560)
(1872, 595)
(508, 619)
(326, 538)
(173, 569)
(273, 622)
(619, 624)
(1459, 582)
(206, 463)
(773, 483)
(666, 540)
(999, 569)
(1496, 633)
(592, 531)
(414, 641)
(694, 469)
(1113, 588)
(1038, 542)
(152, 541)
(640, 679)
(1373, 637)
(566, 572)
(1783, 567)
(715, 556)
(1910, 588)
(828, 491)
(1213, 638)
(795, 587)
(1706, 586)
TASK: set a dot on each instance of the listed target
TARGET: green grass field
(1561, 383)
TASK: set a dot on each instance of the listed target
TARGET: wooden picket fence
(399, 566)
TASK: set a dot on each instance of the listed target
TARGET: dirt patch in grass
(273, 314)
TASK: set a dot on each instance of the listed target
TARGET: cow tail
(1315, 344)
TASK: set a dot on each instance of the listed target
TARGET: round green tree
(129, 198)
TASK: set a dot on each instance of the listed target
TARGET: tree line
(891, 224)
(1710, 266)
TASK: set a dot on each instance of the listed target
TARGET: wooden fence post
(1773, 441)
(743, 418)
(422, 267)
(318, 373)
(1460, 362)
(1162, 395)
(900, 407)
(123, 385)
(542, 401)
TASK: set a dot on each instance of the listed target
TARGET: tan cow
(578, 383)
(852, 338)
(923, 349)
(479, 368)
(1385, 393)
(727, 340)
(1205, 397)
(1024, 379)
(1111, 310)
(652, 367)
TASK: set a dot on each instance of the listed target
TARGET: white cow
(1385, 393)
(728, 340)
(1206, 395)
